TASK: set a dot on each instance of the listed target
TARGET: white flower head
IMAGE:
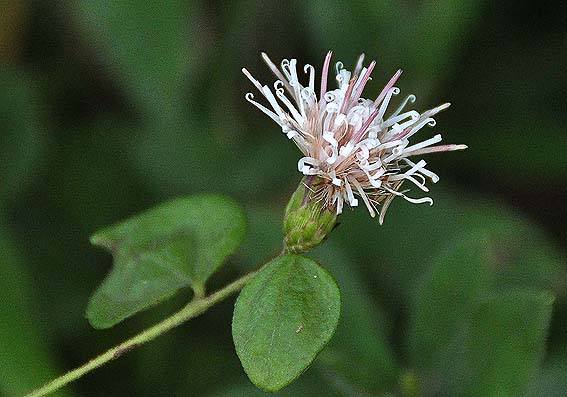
(355, 146)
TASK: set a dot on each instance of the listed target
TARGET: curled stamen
(311, 70)
(400, 177)
(250, 98)
(285, 68)
(278, 86)
(386, 101)
(410, 199)
(408, 133)
(329, 97)
(304, 163)
(412, 114)
(410, 98)
(431, 175)
(296, 115)
(268, 94)
(338, 67)
(308, 96)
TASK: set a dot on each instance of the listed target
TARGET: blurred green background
(108, 107)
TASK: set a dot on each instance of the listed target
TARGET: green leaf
(283, 318)
(310, 384)
(551, 380)
(145, 45)
(506, 342)
(178, 244)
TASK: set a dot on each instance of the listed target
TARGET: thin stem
(193, 309)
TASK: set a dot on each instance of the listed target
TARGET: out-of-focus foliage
(361, 337)
(25, 359)
(110, 107)
(146, 48)
(23, 136)
(469, 337)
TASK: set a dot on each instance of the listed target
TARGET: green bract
(307, 221)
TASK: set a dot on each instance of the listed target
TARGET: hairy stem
(193, 309)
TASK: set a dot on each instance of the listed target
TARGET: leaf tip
(100, 240)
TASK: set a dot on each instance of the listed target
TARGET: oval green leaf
(283, 318)
(178, 244)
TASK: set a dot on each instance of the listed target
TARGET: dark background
(109, 107)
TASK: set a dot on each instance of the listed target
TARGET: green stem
(193, 309)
